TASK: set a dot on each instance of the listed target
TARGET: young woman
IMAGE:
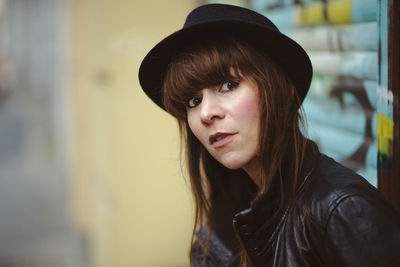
(264, 194)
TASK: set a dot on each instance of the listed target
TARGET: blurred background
(89, 166)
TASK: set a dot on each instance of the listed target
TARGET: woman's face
(225, 119)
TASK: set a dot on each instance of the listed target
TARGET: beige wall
(129, 198)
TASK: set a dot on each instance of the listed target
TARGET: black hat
(214, 20)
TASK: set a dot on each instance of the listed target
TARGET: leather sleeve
(217, 255)
(363, 230)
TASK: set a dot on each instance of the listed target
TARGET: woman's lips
(219, 139)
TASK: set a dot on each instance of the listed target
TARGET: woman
(236, 85)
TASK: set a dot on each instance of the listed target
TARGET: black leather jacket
(337, 219)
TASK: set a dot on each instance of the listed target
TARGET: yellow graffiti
(385, 135)
(337, 12)
(312, 13)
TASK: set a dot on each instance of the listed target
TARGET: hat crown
(216, 20)
(220, 12)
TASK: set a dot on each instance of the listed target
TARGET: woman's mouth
(218, 140)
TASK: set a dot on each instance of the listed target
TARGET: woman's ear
(292, 91)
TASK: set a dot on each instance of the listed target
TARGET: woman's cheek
(248, 107)
(195, 128)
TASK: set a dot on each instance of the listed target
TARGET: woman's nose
(211, 109)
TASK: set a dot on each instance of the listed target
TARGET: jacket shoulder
(331, 183)
(359, 227)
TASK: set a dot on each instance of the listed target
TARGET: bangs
(208, 64)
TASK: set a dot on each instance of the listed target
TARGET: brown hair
(282, 145)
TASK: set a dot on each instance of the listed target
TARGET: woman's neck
(254, 170)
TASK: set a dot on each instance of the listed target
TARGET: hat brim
(285, 52)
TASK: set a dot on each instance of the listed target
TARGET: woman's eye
(229, 85)
(193, 102)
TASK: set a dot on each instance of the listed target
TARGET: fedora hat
(214, 20)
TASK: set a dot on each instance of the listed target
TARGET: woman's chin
(233, 165)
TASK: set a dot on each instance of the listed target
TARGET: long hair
(281, 144)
